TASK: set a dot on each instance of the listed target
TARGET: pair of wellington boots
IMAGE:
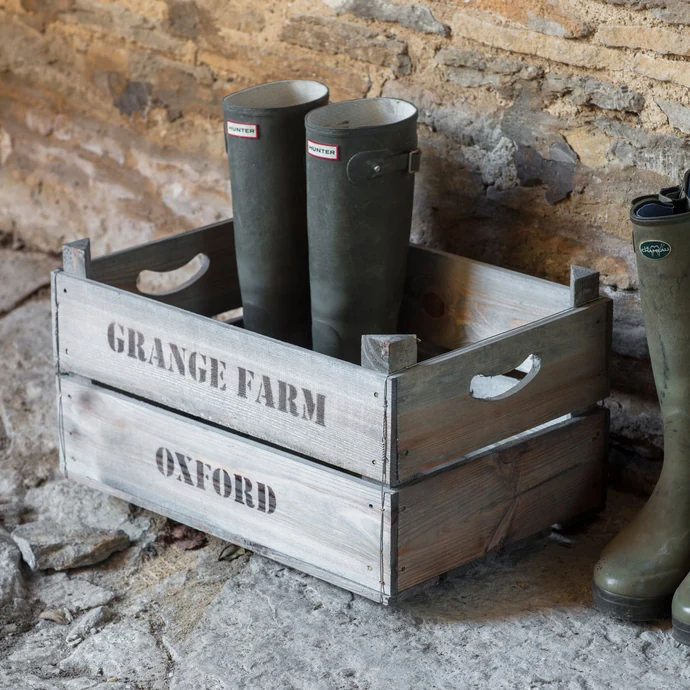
(322, 204)
(643, 572)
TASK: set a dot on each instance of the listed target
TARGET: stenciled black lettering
(271, 501)
(157, 353)
(117, 344)
(311, 407)
(184, 469)
(196, 372)
(199, 474)
(222, 482)
(217, 373)
(287, 394)
(165, 462)
(248, 499)
(274, 393)
(135, 342)
(262, 490)
(265, 392)
(238, 489)
(179, 359)
(244, 383)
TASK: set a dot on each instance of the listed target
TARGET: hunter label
(326, 151)
(655, 249)
(200, 475)
(200, 368)
(241, 130)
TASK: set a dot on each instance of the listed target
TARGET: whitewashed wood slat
(182, 468)
(438, 418)
(501, 496)
(452, 301)
(337, 409)
(216, 291)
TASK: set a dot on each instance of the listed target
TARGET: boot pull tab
(368, 165)
(675, 197)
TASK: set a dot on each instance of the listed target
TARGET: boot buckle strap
(368, 165)
(414, 161)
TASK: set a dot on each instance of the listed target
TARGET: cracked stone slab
(23, 273)
(67, 503)
(45, 545)
(39, 650)
(126, 651)
(88, 624)
(678, 115)
(286, 629)
(417, 17)
(74, 594)
(12, 589)
(27, 398)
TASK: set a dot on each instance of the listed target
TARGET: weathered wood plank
(500, 496)
(301, 400)
(216, 291)
(227, 534)
(451, 301)
(56, 347)
(439, 418)
(226, 484)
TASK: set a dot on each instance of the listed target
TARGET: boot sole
(632, 608)
(681, 632)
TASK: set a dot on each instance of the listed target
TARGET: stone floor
(164, 612)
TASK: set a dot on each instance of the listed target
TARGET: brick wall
(540, 120)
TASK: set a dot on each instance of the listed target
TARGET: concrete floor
(157, 616)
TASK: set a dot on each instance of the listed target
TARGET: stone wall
(539, 120)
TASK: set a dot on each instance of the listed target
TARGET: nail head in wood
(389, 353)
(76, 258)
(584, 285)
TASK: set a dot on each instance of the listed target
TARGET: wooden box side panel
(226, 484)
(216, 290)
(438, 417)
(451, 301)
(310, 403)
(501, 496)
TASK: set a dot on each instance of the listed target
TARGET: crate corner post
(76, 261)
(584, 285)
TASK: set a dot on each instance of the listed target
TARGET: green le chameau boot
(641, 568)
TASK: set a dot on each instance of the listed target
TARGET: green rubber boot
(641, 568)
(681, 612)
(361, 160)
(265, 141)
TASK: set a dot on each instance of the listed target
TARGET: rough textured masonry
(540, 120)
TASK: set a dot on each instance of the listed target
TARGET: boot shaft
(661, 236)
(265, 140)
(360, 183)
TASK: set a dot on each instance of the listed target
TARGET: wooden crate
(376, 478)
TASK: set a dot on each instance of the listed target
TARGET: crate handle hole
(170, 282)
(504, 385)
